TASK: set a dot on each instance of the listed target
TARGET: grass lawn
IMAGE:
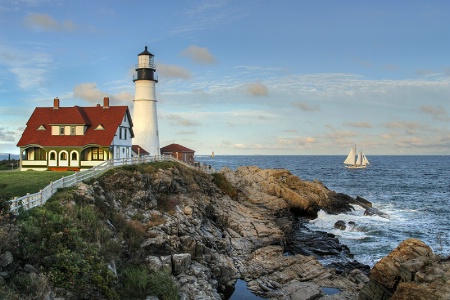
(18, 184)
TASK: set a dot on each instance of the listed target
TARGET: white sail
(365, 161)
(350, 160)
(359, 159)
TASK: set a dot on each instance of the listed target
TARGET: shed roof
(175, 148)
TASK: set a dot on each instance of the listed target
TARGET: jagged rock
(188, 210)
(411, 271)
(29, 269)
(370, 211)
(180, 263)
(6, 259)
(208, 240)
(340, 225)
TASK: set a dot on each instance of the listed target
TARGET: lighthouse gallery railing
(37, 199)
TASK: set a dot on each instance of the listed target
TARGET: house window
(61, 130)
(125, 133)
(63, 156)
(97, 154)
(73, 130)
(120, 132)
(118, 152)
(125, 118)
(39, 154)
(52, 156)
(74, 156)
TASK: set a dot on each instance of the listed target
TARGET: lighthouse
(145, 119)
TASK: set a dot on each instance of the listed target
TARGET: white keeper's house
(75, 138)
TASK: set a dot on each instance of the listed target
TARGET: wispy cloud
(29, 68)
(173, 71)
(257, 89)
(409, 127)
(199, 55)
(44, 22)
(88, 91)
(307, 107)
(177, 120)
(359, 124)
(6, 135)
(438, 112)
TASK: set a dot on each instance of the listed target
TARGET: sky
(287, 77)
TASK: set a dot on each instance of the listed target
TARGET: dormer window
(73, 130)
(99, 127)
(42, 127)
(62, 130)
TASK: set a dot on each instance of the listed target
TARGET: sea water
(413, 190)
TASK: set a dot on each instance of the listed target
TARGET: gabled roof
(110, 118)
(141, 150)
(175, 148)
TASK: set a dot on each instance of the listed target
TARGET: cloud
(29, 68)
(44, 22)
(88, 91)
(409, 127)
(6, 135)
(425, 72)
(307, 107)
(295, 142)
(359, 124)
(174, 71)
(438, 112)
(257, 89)
(199, 55)
(185, 132)
(177, 120)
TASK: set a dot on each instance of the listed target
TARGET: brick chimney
(56, 103)
(106, 102)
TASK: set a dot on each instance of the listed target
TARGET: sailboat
(353, 162)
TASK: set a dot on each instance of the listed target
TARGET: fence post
(16, 204)
(27, 204)
(62, 181)
(40, 196)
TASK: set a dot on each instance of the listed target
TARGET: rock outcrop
(208, 240)
(411, 271)
(207, 236)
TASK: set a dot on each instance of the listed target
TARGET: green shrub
(163, 285)
(222, 183)
(136, 282)
(139, 282)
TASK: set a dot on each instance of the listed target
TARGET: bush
(222, 183)
(139, 282)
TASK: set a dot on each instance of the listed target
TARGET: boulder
(340, 225)
(6, 259)
(180, 263)
(411, 271)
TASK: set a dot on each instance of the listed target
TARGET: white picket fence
(37, 199)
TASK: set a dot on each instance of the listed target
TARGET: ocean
(413, 190)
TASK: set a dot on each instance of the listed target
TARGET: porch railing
(37, 199)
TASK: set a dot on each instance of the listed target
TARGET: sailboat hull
(356, 167)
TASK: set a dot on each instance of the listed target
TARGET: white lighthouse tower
(145, 119)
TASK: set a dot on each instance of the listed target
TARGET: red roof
(141, 150)
(109, 118)
(175, 148)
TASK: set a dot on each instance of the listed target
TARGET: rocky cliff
(207, 231)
